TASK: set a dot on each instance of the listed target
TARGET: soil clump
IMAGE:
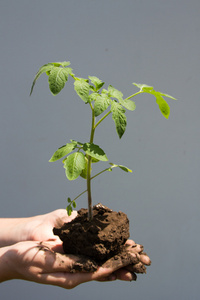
(101, 240)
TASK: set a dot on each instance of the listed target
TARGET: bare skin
(24, 256)
(37, 228)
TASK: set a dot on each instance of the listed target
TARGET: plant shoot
(78, 157)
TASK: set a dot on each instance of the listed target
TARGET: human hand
(37, 228)
(26, 260)
(38, 262)
(40, 228)
(129, 262)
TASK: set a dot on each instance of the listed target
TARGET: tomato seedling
(77, 156)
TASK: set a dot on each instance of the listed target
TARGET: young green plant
(78, 157)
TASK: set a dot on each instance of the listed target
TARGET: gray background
(154, 42)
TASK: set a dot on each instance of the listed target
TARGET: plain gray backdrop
(154, 42)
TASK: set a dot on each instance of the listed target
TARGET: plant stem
(93, 127)
(90, 180)
(131, 96)
(90, 212)
(79, 195)
(107, 114)
(101, 172)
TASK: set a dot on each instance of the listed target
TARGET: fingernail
(149, 263)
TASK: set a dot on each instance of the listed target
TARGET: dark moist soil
(101, 240)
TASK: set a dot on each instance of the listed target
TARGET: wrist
(13, 230)
(6, 269)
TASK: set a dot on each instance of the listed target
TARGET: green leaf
(69, 210)
(101, 104)
(129, 104)
(74, 165)
(63, 151)
(82, 88)
(121, 167)
(168, 96)
(44, 69)
(95, 160)
(163, 105)
(47, 68)
(78, 143)
(94, 151)
(93, 97)
(74, 204)
(57, 79)
(118, 115)
(149, 89)
(69, 200)
(114, 93)
(96, 81)
(125, 168)
(144, 87)
(84, 172)
(63, 64)
(104, 92)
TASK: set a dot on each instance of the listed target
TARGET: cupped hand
(40, 228)
(38, 262)
(136, 262)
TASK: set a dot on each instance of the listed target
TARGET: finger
(144, 258)
(138, 250)
(51, 244)
(64, 262)
(120, 261)
(65, 280)
(60, 217)
(134, 248)
(104, 274)
(130, 242)
(54, 245)
(122, 274)
(111, 277)
(137, 268)
(71, 280)
(67, 218)
(125, 275)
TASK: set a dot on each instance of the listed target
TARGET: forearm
(5, 270)
(13, 230)
(37, 228)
